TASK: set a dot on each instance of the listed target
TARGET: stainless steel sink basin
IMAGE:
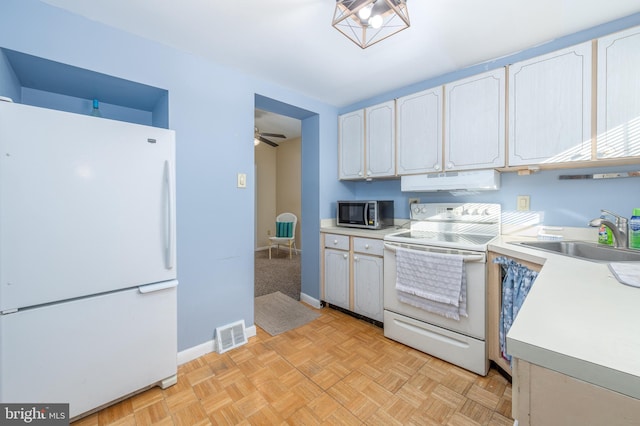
(583, 250)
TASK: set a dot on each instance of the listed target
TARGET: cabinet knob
(449, 165)
(359, 173)
(355, 258)
(345, 255)
(366, 246)
(436, 167)
(335, 242)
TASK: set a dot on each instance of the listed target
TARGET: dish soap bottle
(604, 234)
(95, 112)
(634, 230)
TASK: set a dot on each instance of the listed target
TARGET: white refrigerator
(87, 258)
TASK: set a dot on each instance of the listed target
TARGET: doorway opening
(308, 230)
(278, 189)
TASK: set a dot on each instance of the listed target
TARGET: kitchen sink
(584, 250)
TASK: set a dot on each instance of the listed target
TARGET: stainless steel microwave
(365, 214)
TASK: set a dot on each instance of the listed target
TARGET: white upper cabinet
(618, 124)
(380, 147)
(550, 107)
(474, 130)
(351, 135)
(419, 139)
(371, 153)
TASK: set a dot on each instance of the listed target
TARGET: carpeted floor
(277, 274)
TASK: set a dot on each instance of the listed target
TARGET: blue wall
(563, 202)
(211, 108)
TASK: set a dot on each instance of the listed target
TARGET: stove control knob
(486, 212)
(423, 210)
(416, 209)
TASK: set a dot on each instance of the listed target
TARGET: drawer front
(368, 246)
(340, 242)
(457, 349)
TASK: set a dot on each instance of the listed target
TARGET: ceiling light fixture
(366, 22)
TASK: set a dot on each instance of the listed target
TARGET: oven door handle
(465, 258)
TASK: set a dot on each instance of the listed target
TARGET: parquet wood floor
(336, 370)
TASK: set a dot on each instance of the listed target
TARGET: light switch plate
(242, 180)
(523, 203)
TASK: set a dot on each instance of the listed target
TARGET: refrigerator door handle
(168, 255)
(150, 288)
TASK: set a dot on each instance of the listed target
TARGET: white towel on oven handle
(431, 281)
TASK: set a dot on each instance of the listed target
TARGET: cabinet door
(619, 95)
(550, 107)
(367, 286)
(380, 136)
(351, 150)
(419, 139)
(475, 122)
(336, 277)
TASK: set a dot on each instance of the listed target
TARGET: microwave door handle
(366, 214)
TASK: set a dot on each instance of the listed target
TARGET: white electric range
(456, 229)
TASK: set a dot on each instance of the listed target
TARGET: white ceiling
(268, 122)
(292, 42)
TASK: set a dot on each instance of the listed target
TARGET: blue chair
(285, 233)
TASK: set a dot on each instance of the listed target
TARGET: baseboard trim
(209, 346)
(310, 301)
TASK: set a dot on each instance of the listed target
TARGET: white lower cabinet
(353, 274)
(336, 277)
(548, 398)
(368, 278)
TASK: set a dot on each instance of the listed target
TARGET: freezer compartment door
(86, 205)
(89, 352)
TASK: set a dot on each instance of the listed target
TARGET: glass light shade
(376, 22)
(365, 12)
(386, 17)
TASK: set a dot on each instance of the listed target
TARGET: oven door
(474, 264)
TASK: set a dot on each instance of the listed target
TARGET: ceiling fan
(262, 137)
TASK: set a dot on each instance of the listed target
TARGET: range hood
(473, 180)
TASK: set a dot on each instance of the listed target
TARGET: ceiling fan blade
(273, 135)
(267, 141)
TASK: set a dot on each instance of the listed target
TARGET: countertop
(577, 320)
(329, 226)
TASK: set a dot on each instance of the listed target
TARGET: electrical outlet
(268, 232)
(414, 200)
(523, 203)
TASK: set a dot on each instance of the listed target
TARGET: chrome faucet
(619, 229)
